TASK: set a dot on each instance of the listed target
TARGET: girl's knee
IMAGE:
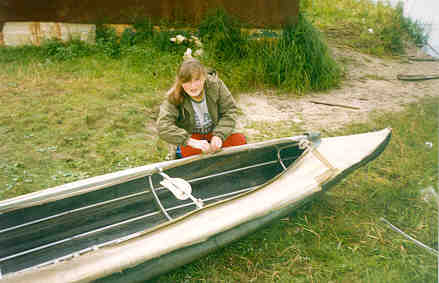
(235, 139)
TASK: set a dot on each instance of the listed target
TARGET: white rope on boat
(180, 188)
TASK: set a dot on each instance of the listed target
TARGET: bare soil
(371, 85)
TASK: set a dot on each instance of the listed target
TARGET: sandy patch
(371, 85)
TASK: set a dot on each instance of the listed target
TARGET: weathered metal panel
(1, 34)
(259, 13)
(22, 33)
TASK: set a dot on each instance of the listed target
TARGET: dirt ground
(371, 85)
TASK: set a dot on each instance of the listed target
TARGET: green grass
(59, 128)
(76, 118)
(339, 237)
(70, 111)
(376, 29)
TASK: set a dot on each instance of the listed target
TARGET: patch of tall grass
(296, 60)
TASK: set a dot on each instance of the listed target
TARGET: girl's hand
(203, 145)
(215, 144)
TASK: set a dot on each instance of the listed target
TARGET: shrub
(59, 50)
(22, 54)
(373, 27)
(413, 29)
(222, 36)
(141, 32)
(107, 41)
(300, 60)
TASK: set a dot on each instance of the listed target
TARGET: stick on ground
(335, 104)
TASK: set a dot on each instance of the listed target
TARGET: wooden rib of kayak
(135, 224)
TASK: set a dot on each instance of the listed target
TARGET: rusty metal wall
(258, 13)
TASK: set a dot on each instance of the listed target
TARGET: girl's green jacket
(175, 123)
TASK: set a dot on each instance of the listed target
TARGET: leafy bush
(413, 29)
(59, 50)
(141, 32)
(107, 41)
(21, 54)
(141, 35)
(222, 36)
(144, 30)
(128, 37)
(400, 29)
(162, 41)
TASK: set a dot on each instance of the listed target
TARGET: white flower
(428, 193)
(173, 39)
(196, 40)
(187, 54)
(198, 43)
(429, 144)
(370, 30)
(180, 38)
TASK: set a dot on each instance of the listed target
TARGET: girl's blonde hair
(189, 69)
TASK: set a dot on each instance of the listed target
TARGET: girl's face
(194, 86)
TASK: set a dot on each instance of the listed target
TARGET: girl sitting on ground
(199, 114)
